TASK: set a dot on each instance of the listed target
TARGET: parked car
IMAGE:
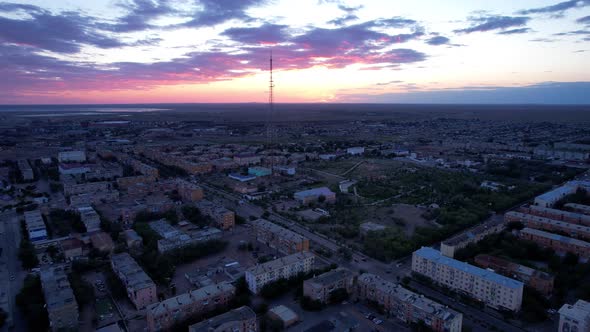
(377, 321)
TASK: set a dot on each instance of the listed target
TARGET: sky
(180, 51)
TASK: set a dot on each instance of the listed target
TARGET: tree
(27, 255)
(321, 198)
(31, 302)
(3, 317)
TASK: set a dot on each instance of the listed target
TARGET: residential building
(102, 241)
(406, 305)
(549, 198)
(245, 159)
(222, 217)
(571, 217)
(574, 318)
(473, 235)
(242, 319)
(285, 170)
(163, 315)
(141, 290)
(61, 304)
(285, 267)
(278, 237)
(188, 239)
(132, 239)
(71, 156)
(164, 229)
(73, 169)
(35, 226)
(25, 170)
(90, 218)
(80, 200)
(86, 188)
(313, 195)
(320, 287)
(189, 192)
(72, 248)
(539, 280)
(580, 208)
(494, 290)
(531, 221)
(128, 181)
(345, 185)
(242, 177)
(559, 243)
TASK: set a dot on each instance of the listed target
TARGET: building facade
(320, 287)
(163, 315)
(278, 237)
(574, 318)
(242, 319)
(494, 290)
(559, 243)
(61, 304)
(531, 221)
(141, 290)
(406, 305)
(223, 218)
(284, 267)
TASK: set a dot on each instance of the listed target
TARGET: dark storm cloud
(489, 23)
(438, 40)
(514, 31)
(557, 8)
(64, 33)
(213, 12)
(139, 14)
(264, 34)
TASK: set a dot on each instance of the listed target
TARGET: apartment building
(71, 156)
(580, 208)
(35, 226)
(223, 218)
(539, 280)
(574, 318)
(559, 243)
(86, 188)
(62, 307)
(242, 319)
(531, 221)
(285, 267)
(278, 237)
(141, 290)
(551, 197)
(406, 305)
(189, 191)
(163, 315)
(25, 170)
(90, 218)
(494, 290)
(571, 217)
(320, 287)
(472, 235)
(188, 238)
(128, 181)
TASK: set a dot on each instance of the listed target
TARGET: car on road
(370, 316)
(12, 278)
(377, 321)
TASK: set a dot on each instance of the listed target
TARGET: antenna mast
(270, 125)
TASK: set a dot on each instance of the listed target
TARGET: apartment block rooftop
(555, 237)
(127, 268)
(182, 300)
(279, 263)
(278, 230)
(238, 314)
(435, 255)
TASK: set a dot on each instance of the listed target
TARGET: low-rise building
(188, 239)
(278, 237)
(320, 287)
(282, 268)
(473, 235)
(132, 239)
(283, 314)
(531, 221)
(141, 290)
(72, 248)
(189, 192)
(574, 317)
(357, 150)
(35, 226)
(71, 156)
(128, 181)
(555, 214)
(259, 171)
(25, 170)
(73, 169)
(86, 188)
(242, 319)
(559, 243)
(163, 315)
(102, 241)
(580, 208)
(61, 304)
(101, 197)
(539, 280)
(313, 195)
(222, 217)
(494, 290)
(551, 197)
(406, 305)
(90, 218)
